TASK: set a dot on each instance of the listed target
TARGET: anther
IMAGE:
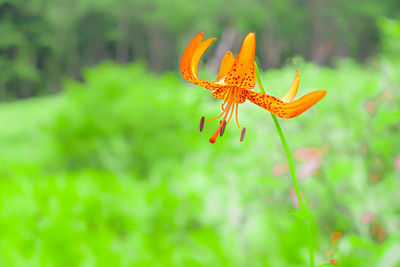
(243, 133)
(201, 126)
(221, 132)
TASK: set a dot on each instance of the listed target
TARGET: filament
(237, 120)
(231, 112)
(222, 113)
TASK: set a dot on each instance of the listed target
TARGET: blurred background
(102, 163)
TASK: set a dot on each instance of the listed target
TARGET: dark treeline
(44, 41)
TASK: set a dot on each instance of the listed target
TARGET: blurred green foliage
(114, 171)
(43, 41)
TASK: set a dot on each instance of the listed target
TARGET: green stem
(303, 206)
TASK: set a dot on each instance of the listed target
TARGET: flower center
(228, 107)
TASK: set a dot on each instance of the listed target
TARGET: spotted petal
(190, 61)
(242, 72)
(282, 109)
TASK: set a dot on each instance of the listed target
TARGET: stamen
(237, 120)
(243, 133)
(201, 126)
(232, 109)
(222, 113)
(221, 132)
(230, 116)
(226, 99)
(223, 106)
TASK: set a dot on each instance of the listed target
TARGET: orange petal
(198, 53)
(226, 65)
(291, 93)
(188, 55)
(242, 72)
(190, 61)
(282, 109)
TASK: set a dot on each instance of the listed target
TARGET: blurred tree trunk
(322, 48)
(138, 44)
(93, 47)
(271, 47)
(122, 46)
(154, 51)
(225, 44)
(323, 34)
(342, 49)
(162, 54)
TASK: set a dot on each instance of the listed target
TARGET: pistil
(218, 131)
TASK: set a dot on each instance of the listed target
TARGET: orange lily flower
(235, 81)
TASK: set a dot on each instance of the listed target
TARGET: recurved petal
(226, 65)
(198, 53)
(291, 93)
(282, 109)
(188, 55)
(242, 72)
(190, 61)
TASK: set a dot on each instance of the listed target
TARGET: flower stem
(303, 205)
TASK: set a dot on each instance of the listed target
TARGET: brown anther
(243, 133)
(201, 126)
(221, 132)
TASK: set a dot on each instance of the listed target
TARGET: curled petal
(242, 72)
(282, 109)
(188, 54)
(291, 93)
(198, 53)
(190, 61)
(226, 65)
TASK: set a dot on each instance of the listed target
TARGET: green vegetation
(114, 172)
